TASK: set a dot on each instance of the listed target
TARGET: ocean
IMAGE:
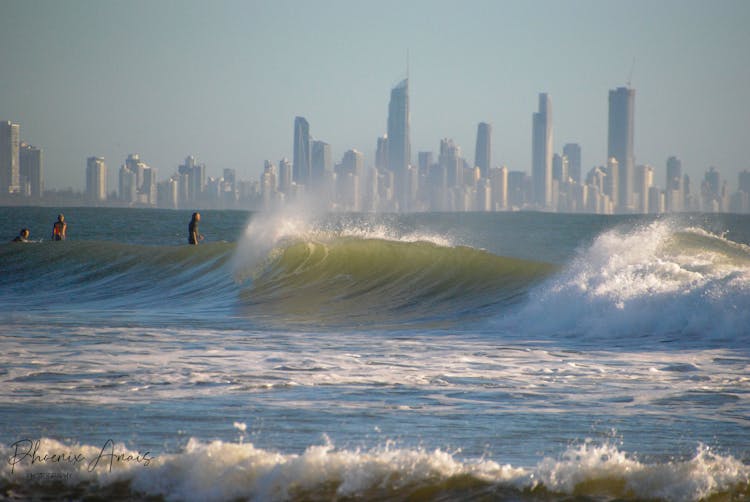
(423, 357)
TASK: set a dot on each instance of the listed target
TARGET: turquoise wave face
(343, 281)
(113, 277)
(359, 281)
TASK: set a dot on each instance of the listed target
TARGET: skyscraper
(541, 153)
(31, 170)
(285, 175)
(9, 157)
(96, 179)
(381, 154)
(673, 190)
(573, 152)
(321, 162)
(483, 152)
(620, 143)
(399, 145)
(302, 160)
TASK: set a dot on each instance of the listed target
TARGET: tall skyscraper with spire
(620, 143)
(541, 153)
(483, 152)
(302, 160)
(399, 144)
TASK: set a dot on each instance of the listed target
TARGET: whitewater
(295, 356)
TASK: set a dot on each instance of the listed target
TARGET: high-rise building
(349, 176)
(541, 154)
(399, 143)
(128, 188)
(10, 145)
(96, 179)
(31, 171)
(285, 175)
(483, 152)
(620, 143)
(268, 183)
(643, 181)
(560, 168)
(712, 191)
(499, 186)
(321, 162)
(381, 154)
(674, 196)
(573, 152)
(302, 160)
(612, 182)
(137, 181)
(192, 182)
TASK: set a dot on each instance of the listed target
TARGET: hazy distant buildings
(399, 143)
(673, 190)
(483, 152)
(541, 154)
(620, 144)
(137, 182)
(573, 153)
(31, 171)
(10, 145)
(96, 180)
(714, 192)
(302, 159)
(284, 175)
(322, 163)
(191, 182)
(643, 181)
(444, 182)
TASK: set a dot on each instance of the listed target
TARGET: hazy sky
(224, 80)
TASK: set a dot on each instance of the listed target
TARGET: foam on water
(216, 470)
(658, 279)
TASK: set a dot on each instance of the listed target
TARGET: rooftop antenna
(630, 75)
(407, 64)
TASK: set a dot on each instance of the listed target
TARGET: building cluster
(21, 171)
(394, 183)
(449, 182)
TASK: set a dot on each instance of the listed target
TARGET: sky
(224, 80)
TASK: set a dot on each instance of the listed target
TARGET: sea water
(294, 356)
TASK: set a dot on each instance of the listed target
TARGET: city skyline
(223, 83)
(394, 183)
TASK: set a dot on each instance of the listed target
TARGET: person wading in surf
(23, 236)
(59, 228)
(194, 236)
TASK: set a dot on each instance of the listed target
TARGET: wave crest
(653, 280)
(231, 471)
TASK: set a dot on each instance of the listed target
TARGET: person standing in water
(59, 229)
(194, 236)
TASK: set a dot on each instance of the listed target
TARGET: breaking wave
(215, 471)
(652, 281)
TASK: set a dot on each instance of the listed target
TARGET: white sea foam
(207, 471)
(651, 280)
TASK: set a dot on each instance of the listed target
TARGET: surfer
(59, 228)
(23, 236)
(194, 235)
